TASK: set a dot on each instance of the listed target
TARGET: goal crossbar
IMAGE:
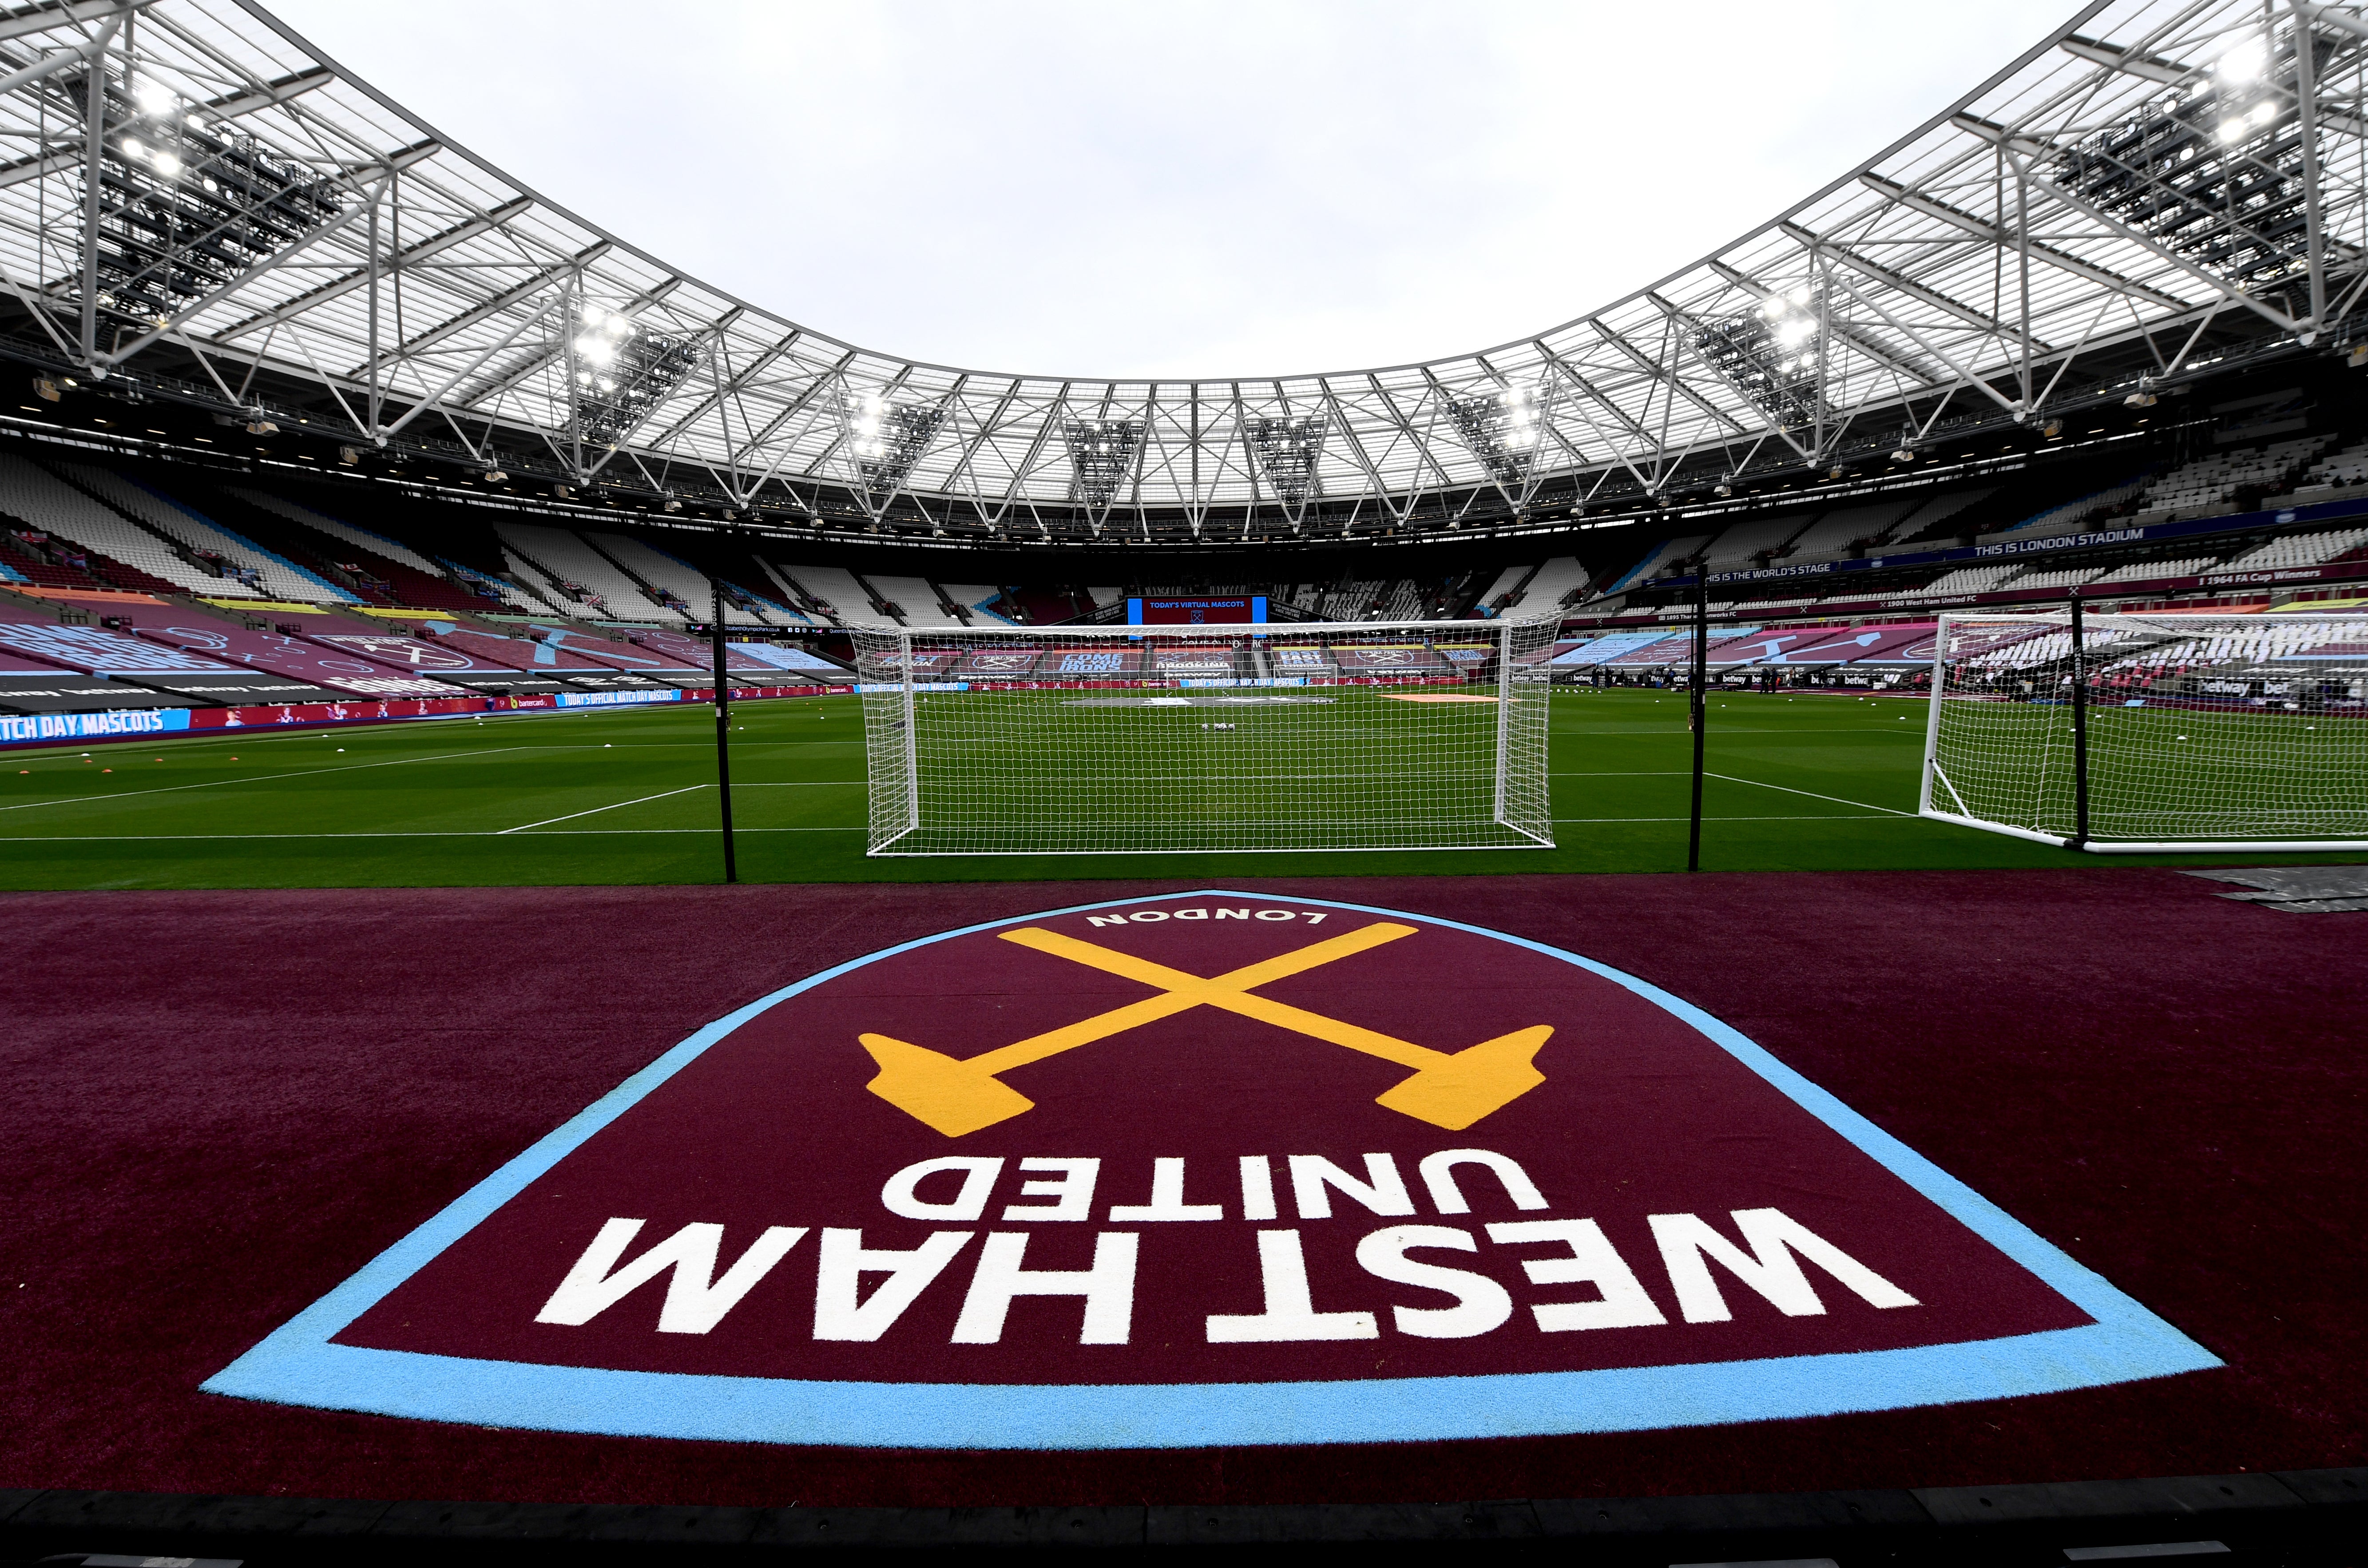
(1269, 737)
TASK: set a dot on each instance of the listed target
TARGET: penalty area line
(1812, 794)
(595, 811)
(1820, 816)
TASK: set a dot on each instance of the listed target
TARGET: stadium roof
(218, 214)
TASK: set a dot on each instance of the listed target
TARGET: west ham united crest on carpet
(1208, 1168)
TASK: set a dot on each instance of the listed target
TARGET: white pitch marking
(1822, 817)
(595, 811)
(1812, 794)
(454, 833)
(255, 778)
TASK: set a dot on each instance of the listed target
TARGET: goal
(1125, 739)
(2150, 733)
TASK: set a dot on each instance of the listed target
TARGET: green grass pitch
(1797, 782)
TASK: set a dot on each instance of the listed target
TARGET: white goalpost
(2152, 734)
(1267, 737)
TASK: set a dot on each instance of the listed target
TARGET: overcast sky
(1210, 187)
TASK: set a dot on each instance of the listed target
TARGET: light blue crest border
(298, 1364)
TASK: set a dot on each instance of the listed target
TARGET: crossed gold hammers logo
(1448, 1089)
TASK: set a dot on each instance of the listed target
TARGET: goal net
(1161, 739)
(2157, 733)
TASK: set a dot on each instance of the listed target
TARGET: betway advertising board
(1200, 1169)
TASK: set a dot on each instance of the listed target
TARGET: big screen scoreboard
(1249, 612)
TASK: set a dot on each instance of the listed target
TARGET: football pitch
(1795, 782)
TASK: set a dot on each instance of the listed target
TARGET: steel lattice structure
(195, 201)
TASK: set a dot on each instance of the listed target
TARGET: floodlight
(2245, 63)
(1904, 455)
(154, 98)
(494, 476)
(133, 149)
(168, 164)
(2139, 399)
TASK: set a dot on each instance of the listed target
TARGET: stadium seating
(1667, 553)
(1741, 544)
(417, 581)
(1349, 599)
(1832, 535)
(1557, 581)
(2051, 577)
(2207, 485)
(1935, 518)
(973, 598)
(2072, 516)
(581, 576)
(670, 573)
(2299, 549)
(273, 575)
(2337, 471)
(1493, 596)
(41, 500)
(47, 561)
(915, 600)
(837, 592)
(2145, 571)
(1964, 580)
